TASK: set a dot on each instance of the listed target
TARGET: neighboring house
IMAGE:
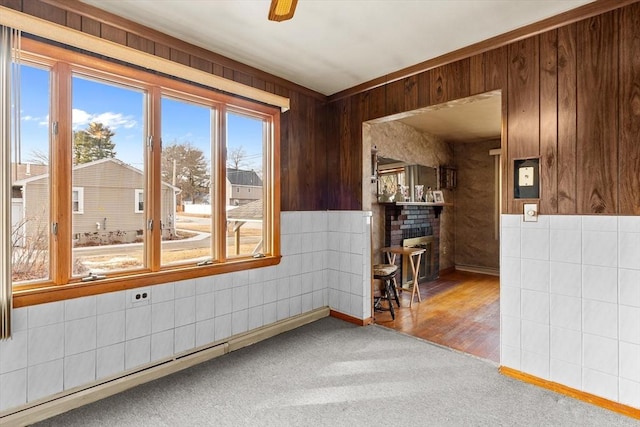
(108, 203)
(246, 186)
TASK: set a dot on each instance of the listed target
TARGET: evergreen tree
(93, 143)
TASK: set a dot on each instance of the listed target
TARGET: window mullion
(218, 184)
(154, 179)
(60, 173)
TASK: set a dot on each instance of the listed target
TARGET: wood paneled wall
(303, 182)
(571, 96)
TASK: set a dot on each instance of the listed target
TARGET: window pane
(186, 182)
(30, 216)
(245, 209)
(108, 167)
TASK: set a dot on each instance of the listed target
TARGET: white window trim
(80, 191)
(137, 192)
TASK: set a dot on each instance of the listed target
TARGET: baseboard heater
(68, 400)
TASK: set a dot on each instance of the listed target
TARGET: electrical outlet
(141, 296)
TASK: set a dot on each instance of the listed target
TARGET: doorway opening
(460, 303)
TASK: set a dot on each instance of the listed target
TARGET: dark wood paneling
(373, 103)
(402, 95)
(117, 35)
(523, 103)
(597, 114)
(201, 64)
(629, 148)
(140, 43)
(91, 26)
(449, 82)
(74, 21)
(424, 89)
(495, 69)
(44, 11)
(12, 4)
(567, 97)
(180, 57)
(549, 122)
(476, 74)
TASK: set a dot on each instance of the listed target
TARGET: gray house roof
(250, 212)
(243, 177)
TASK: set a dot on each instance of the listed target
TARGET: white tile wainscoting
(570, 302)
(62, 345)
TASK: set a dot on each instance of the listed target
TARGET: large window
(199, 167)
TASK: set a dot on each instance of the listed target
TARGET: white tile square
(535, 275)
(110, 328)
(600, 318)
(566, 345)
(269, 314)
(306, 282)
(535, 243)
(510, 242)
(566, 312)
(510, 301)
(600, 248)
(629, 224)
(535, 364)
(282, 309)
(204, 307)
(185, 288)
(535, 338)
(270, 292)
(185, 311)
(239, 322)
(510, 272)
(565, 279)
(44, 379)
(510, 221)
(222, 302)
(565, 245)
(78, 308)
(307, 304)
(46, 314)
(255, 318)
(205, 285)
(162, 293)
(535, 306)
(600, 353)
(629, 287)
(256, 276)
(109, 360)
(599, 223)
(629, 250)
(566, 373)
(79, 369)
(162, 316)
(600, 283)
(294, 265)
(138, 322)
(46, 344)
(510, 357)
(112, 301)
(222, 327)
(565, 222)
(629, 324)
(137, 352)
(295, 286)
(13, 389)
(13, 352)
(19, 321)
(295, 305)
(630, 393)
(510, 331)
(79, 336)
(162, 345)
(205, 332)
(600, 384)
(239, 278)
(630, 361)
(283, 289)
(184, 338)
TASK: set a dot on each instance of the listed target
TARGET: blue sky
(122, 110)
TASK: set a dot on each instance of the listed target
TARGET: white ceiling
(332, 45)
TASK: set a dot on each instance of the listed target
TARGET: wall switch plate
(530, 212)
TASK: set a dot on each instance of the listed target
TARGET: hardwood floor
(459, 310)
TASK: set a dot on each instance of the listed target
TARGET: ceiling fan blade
(281, 10)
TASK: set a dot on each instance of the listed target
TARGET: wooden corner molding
(619, 408)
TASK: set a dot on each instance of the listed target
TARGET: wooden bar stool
(386, 273)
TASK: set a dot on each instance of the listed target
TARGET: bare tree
(30, 254)
(236, 157)
(39, 157)
(185, 166)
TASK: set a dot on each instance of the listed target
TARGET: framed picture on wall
(438, 197)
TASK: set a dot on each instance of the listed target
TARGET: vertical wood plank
(180, 57)
(116, 35)
(44, 11)
(12, 4)
(523, 105)
(449, 82)
(74, 21)
(140, 43)
(375, 103)
(201, 64)
(597, 114)
(333, 111)
(91, 26)
(424, 92)
(476, 74)
(567, 98)
(401, 95)
(629, 149)
(549, 122)
(242, 78)
(162, 50)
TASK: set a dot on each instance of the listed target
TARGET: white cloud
(112, 120)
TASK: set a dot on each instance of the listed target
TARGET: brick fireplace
(415, 224)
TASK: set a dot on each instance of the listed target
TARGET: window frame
(80, 191)
(136, 200)
(64, 63)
